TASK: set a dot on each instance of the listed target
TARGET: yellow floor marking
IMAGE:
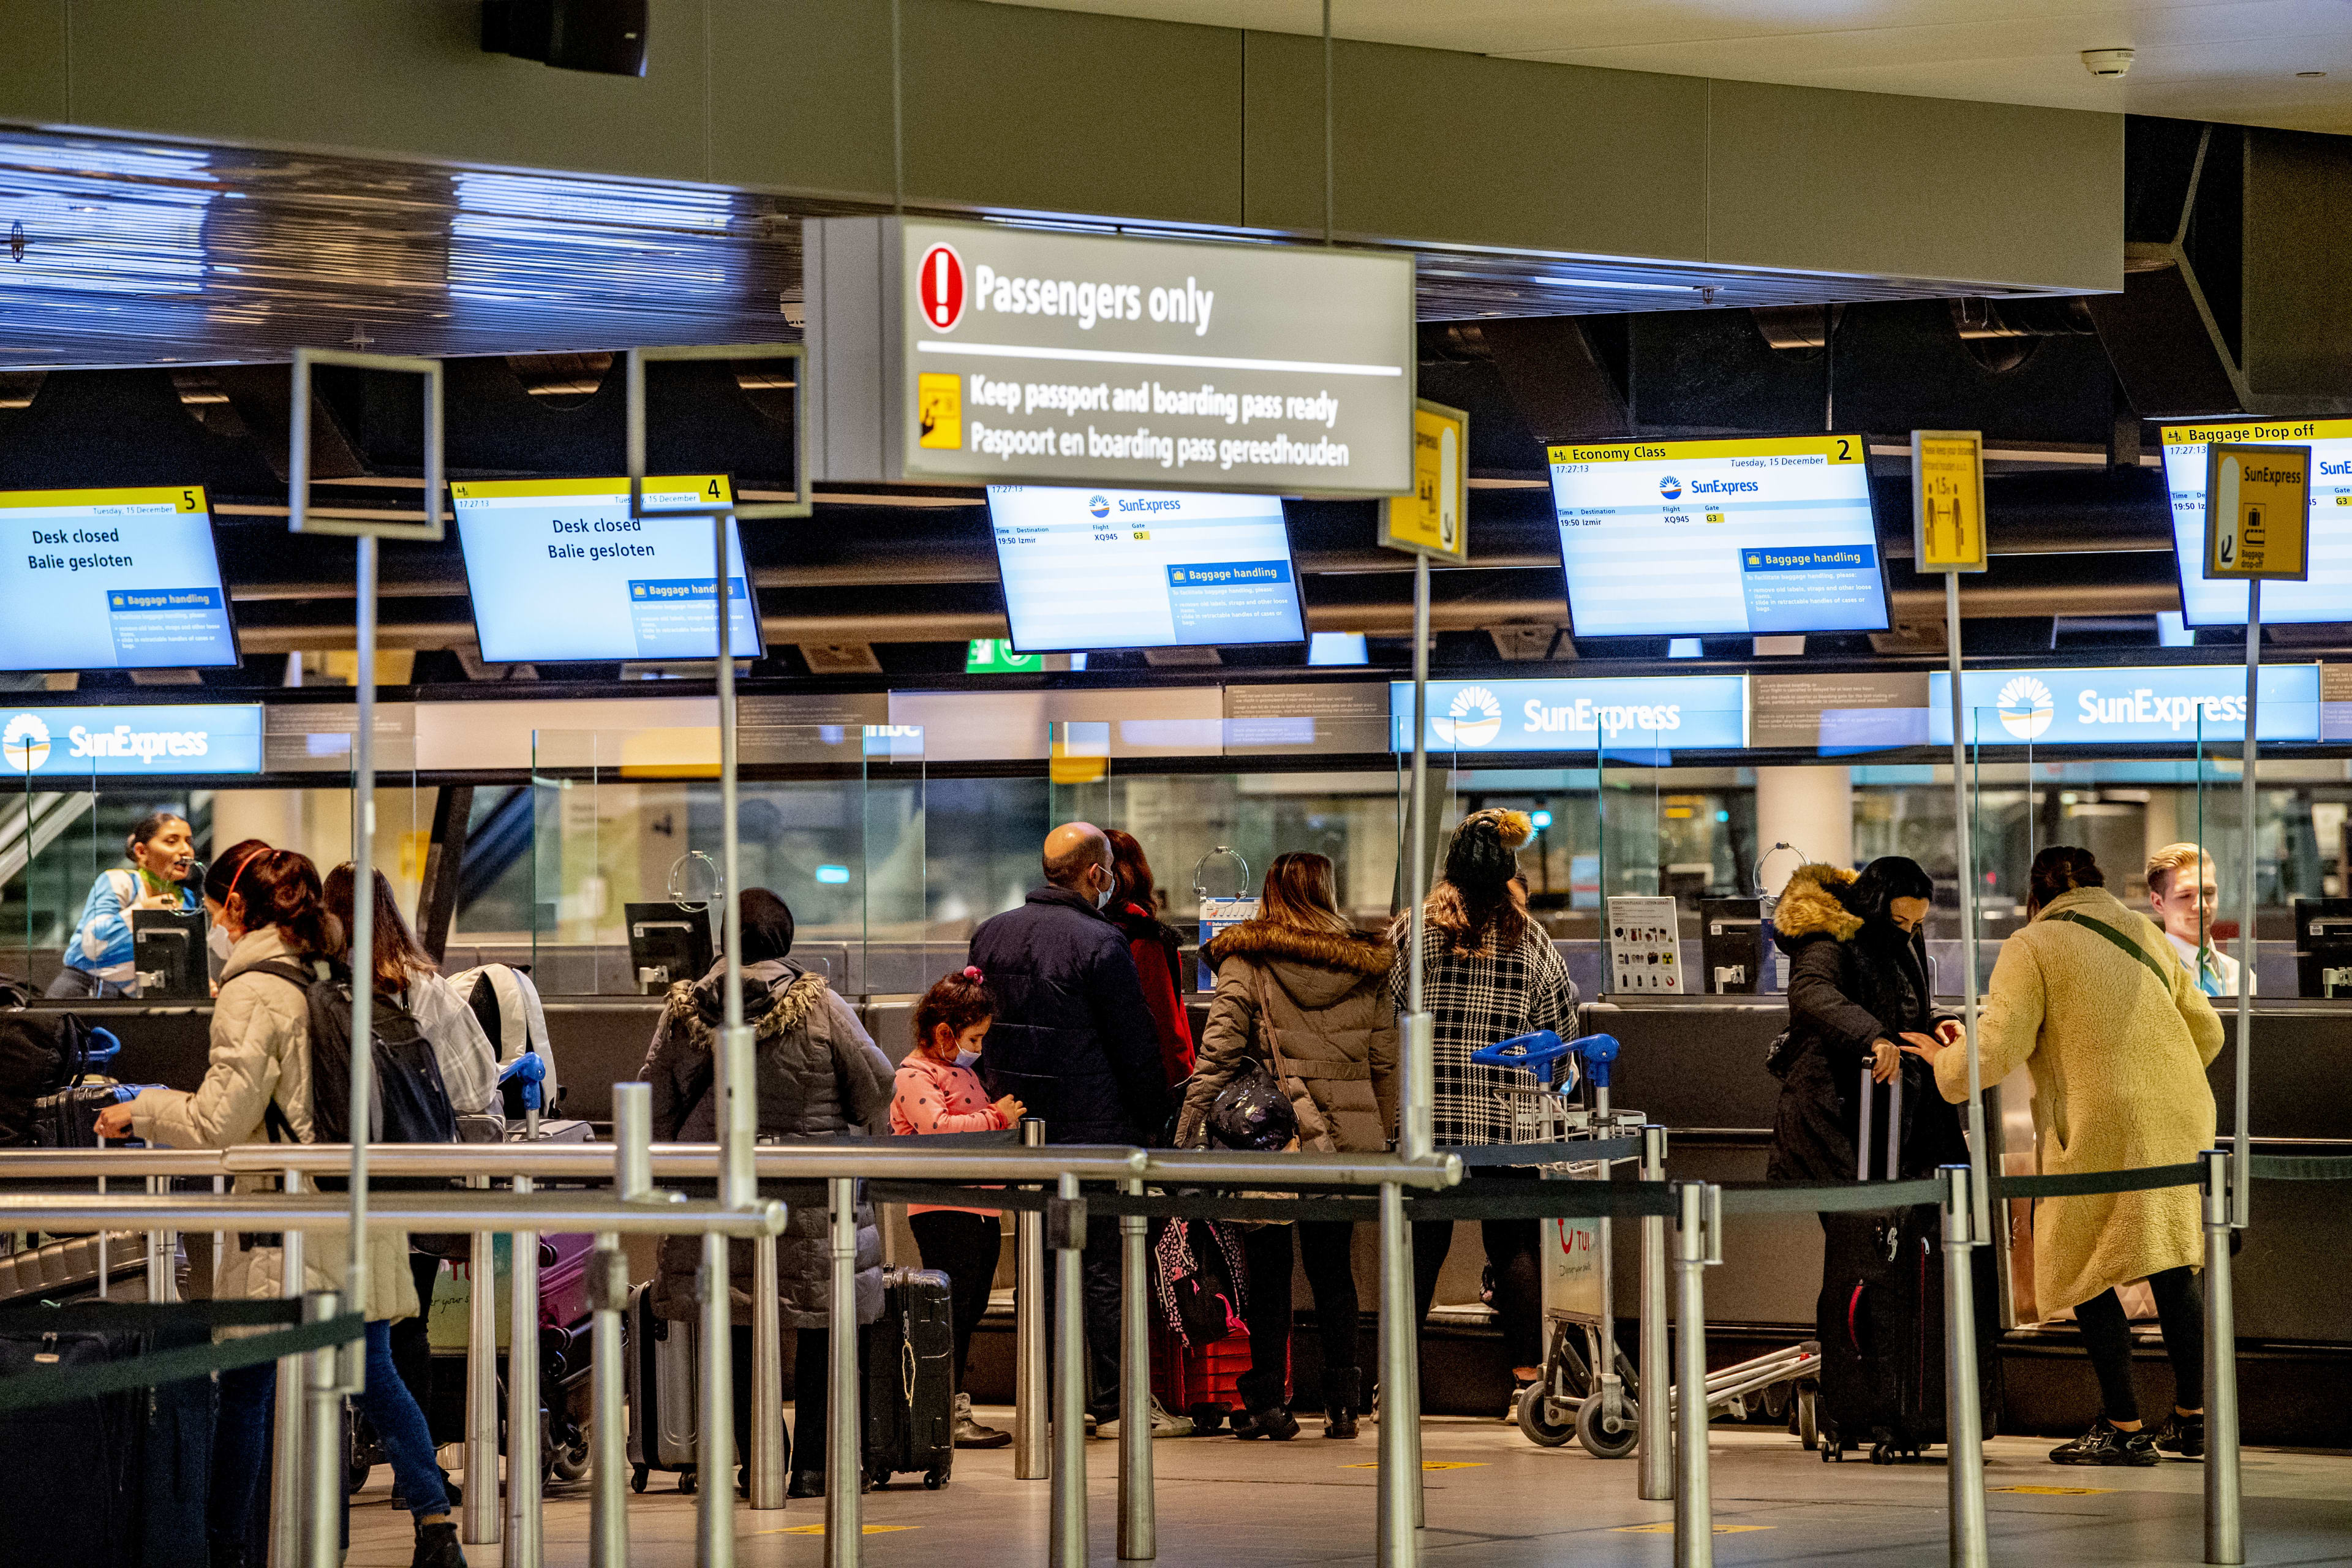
(819, 1530)
(2056, 1491)
(1430, 1465)
(1667, 1528)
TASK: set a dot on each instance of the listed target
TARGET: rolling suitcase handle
(1861, 1139)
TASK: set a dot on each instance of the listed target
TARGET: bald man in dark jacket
(1074, 1041)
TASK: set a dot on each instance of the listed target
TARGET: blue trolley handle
(1539, 1052)
(531, 1071)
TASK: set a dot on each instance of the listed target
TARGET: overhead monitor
(1718, 538)
(118, 579)
(560, 571)
(1117, 569)
(2326, 594)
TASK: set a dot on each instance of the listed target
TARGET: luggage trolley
(1578, 1262)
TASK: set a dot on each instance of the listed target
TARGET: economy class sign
(1048, 357)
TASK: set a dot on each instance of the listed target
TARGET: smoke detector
(2107, 62)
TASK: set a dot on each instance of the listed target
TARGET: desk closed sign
(1017, 355)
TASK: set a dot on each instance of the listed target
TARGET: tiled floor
(1502, 1503)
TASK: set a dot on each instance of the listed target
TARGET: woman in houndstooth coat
(1489, 973)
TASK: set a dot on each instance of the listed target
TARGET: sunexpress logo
(196, 739)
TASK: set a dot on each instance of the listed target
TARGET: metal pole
(525, 1535)
(324, 1490)
(159, 1257)
(1400, 1544)
(1963, 1419)
(1067, 1541)
(1979, 1149)
(2242, 1140)
(286, 1471)
(608, 1516)
(1654, 1429)
(1139, 1533)
(1697, 1241)
(1415, 1132)
(363, 1063)
(1032, 1454)
(714, 1447)
(844, 1431)
(738, 1109)
(479, 1525)
(767, 1454)
(2225, 1533)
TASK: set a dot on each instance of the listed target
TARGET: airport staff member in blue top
(162, 852)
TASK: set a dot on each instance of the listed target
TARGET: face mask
(1102, 899)
(217, 941)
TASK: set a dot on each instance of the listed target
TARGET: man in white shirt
(2183, 896)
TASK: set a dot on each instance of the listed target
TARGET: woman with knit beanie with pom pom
(1489, 972)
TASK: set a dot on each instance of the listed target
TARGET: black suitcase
(1880, 1317)
(118, 1480)
(910, 1380)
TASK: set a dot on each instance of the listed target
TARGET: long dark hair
(280, 887)
(1890, 876)
(1480, 905)
(958, 1000)
(1130, 871)
(221, 876)
(399, 958)
(1298, 892)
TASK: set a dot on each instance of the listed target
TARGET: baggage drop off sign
(2257, 511)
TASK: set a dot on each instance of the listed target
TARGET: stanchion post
(1655, 1425)
(1032, 1453)
(323, 1485)
(608, 1514)
(160, 1256)
(1698, 1241)
(1138, 1535)
(845, 1443)
(2225, 1534)
(767, 1454)
(1397, 1527)
(1963, 1417)
(714, 1442)
(525, 1536)
(480, 1523)
(286, 1471)
(1067, 1532)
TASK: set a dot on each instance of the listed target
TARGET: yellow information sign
(1948, 505)
(2257, 511)
(1435, 519)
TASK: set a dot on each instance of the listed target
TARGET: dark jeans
(964, 1247)
(1327, 1249)
(2107, 1334)
(810, 1391)
(412, 1338)
(1098, 1267)
(241, 1436)
(1511, 1247)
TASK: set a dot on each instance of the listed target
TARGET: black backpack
(411, 1104)
(42, 1052)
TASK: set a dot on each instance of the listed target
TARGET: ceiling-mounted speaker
(607, 36)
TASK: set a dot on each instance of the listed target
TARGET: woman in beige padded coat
(269, 903)
(2091, 999)
(1301, 983)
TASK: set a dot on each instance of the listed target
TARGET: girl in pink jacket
(935, 1092)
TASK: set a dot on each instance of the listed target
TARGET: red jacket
(1156, 958)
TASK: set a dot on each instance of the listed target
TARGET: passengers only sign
(1007, 355)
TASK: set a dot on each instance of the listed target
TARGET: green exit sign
(995, 655)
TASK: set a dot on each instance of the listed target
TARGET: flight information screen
(122, 579)
(2326, 594)
(1698, 538)
(1115, 569)
(560, 571)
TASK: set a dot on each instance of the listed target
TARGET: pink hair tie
(971, 971)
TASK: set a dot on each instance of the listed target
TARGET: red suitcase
(1198, 1381)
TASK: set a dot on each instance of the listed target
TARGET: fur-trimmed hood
(1812, 905)
(777, 995)
(1316, 967)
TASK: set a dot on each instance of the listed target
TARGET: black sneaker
(2182, 1434)
(437, 1547)
(2104, 1445)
